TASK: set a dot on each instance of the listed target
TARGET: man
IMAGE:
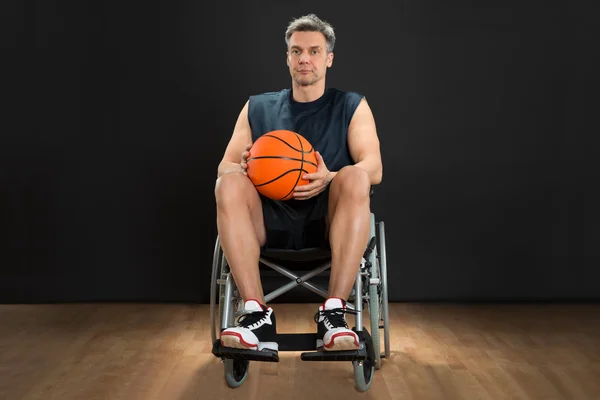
(333, 209)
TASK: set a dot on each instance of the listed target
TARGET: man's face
(307, 57)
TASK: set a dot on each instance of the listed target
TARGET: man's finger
(308, 194)
(320, 163)
(305, 188)
(312, 177)
(305, 196)
(302, 196)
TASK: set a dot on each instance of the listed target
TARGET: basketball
(277, 162)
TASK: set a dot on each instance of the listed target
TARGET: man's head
(310, 43)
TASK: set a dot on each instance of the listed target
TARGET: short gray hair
(311, 23)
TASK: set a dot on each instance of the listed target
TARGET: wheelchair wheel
(374, 298)
(216, 269)
(216, 290)
(236, 372)
(382, 262)
(363, 373)
(374, 314)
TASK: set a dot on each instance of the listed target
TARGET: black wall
(119, 114)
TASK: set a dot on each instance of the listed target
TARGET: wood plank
(162, 351)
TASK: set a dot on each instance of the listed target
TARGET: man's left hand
(318, 181)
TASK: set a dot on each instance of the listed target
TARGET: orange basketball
(277, 162)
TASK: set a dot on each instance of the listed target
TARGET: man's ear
(330, 59)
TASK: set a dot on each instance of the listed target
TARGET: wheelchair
(370, 289)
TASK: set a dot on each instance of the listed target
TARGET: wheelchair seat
(309, 254)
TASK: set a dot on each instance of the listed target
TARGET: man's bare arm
(364, 143)
(240, 139)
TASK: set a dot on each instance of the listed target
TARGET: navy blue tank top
(323, 122)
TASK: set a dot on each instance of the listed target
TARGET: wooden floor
(149, 351)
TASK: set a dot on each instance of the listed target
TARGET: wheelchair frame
(370, 287)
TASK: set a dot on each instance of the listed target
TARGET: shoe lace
(335, 316)
(249, 319)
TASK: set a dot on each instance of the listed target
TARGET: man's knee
(352, 182)
(233, 188)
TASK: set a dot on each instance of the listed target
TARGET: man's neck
(305, 94)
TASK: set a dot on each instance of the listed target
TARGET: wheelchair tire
(363, 374)
(215, 291)
(373, 298)
(223, 271)
(236, 372)
(384, 287)
(375, 318)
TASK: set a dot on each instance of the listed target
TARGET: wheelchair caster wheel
(365, 369)
(236, 372)
(363, 374)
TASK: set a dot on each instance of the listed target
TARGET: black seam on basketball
(283, 158)
(285, 173)
(301, 167)
(287, 144)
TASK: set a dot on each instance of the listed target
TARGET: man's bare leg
(241, 231)
(349, 227)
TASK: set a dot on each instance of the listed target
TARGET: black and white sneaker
(332, 330)
(256, 329)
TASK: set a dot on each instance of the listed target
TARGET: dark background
(119, 112)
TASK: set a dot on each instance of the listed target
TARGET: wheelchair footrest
(350, 355)
(266, 355)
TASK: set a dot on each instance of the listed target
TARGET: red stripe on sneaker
(332, 342)
(239, 336)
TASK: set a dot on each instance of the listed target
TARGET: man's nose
(303, 57)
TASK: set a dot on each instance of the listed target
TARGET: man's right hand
(228, 167)
(244, 162)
